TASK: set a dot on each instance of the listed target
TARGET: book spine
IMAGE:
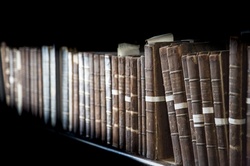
(64, 88)
(121, 103)
(115, 102)
(75, 75)
(97, 96)
(103, 99)
(236, 95)
(11, 77)
(170, 105)
(139, 105)
(180, 104)
(23, 79)
(70, 77)
(34, 82)
(108, 96)
(18, 84)
(134, 105)
(87, 93)
(27, 82)
(53, 86)
(207, 108)
(189, 106)
(81, 94)
(40, 83)
(157, 126)
(248, 109)
(198, 116)
(143, 108)
(128, 105)
(219, 67)
(92, 95)
(46, 83)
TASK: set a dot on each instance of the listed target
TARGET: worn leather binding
(176, 149)
(103, 99)
(219, 69)
(237, 104)
(115, 101)
(207, 108)
(158, 138)
(248, 109)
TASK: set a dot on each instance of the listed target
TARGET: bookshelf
(91, 36)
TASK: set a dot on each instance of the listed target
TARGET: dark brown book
(75, 83)
(180, 103)
(157, 124)
(198, 116)
(87, 93)
(40, 83)
(103, 98)
(143, 109)
(92, 95)
(81, 94)
(33, 82)
(189, 106)
(237, 104)
(139, 105)
(115, 101)
(134, 103)
(121, 103)
(97, 96)
(176, 151)
(248, 110)
(219, 69)
(108, 95)
(207, 108)
(70, 77)
(128, 106)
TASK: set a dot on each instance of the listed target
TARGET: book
(64, 87)
(75, 84)
(219, 71)
(40, 83)
(108, 95)
(53, 85)
(115, 101)
(103, 98)
(158, 138)
(248, 109)
(207, 107)
(87, 93)
(92, 94)
(176, 151)
(237, 95)
(70, 82)
(189, 106)
(81, 78)
(2, 85)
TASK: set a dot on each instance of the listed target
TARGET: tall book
(97, 101)
(53, 85)
(189, 106)
(103, 98)
(70, 81)
(46, 84)
(64, 88)
(92, 95)
(2, 86)
(12, 77)
(6, 71)
(81, 78)
(40, 83)
(237, 94)
(157, 124)
(115, 101)
(108, 95)
(33, 82)
(219, 70)
(75, 81)
(139, 105)
(248, 109)
(170, 105)
(87, 93)
(198, 116)
(207, 108)
(143, 108)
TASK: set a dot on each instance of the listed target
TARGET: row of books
(180, 102)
